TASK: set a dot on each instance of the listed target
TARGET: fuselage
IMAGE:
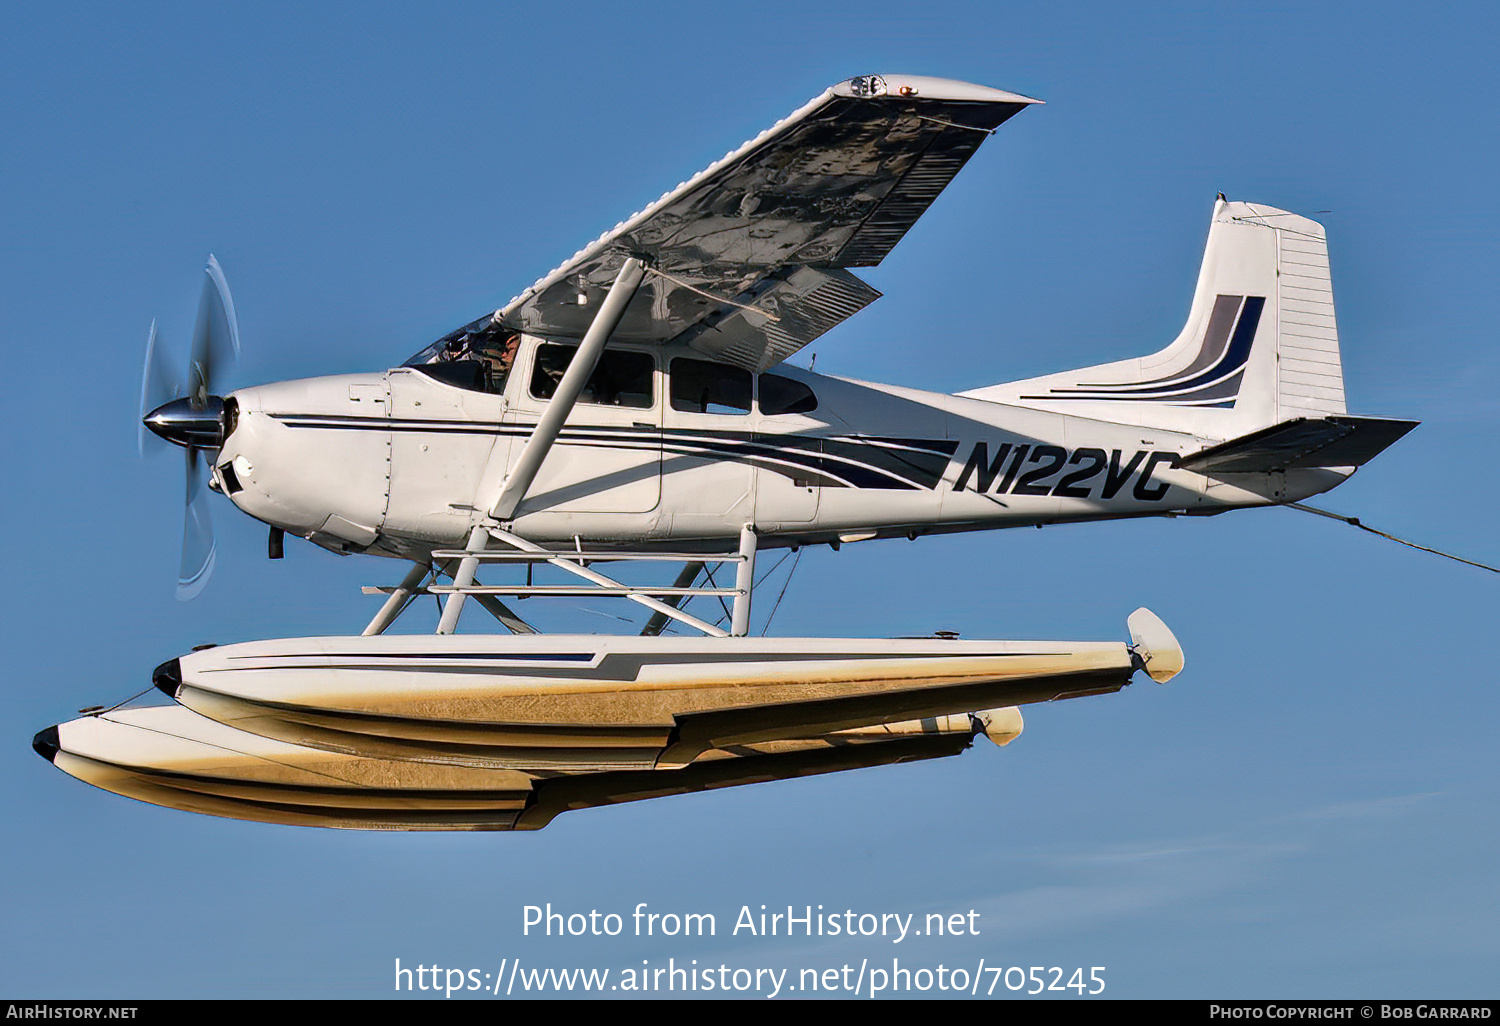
(669, 450)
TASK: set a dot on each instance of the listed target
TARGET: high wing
(749, 258)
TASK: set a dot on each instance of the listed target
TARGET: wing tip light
(926, 88)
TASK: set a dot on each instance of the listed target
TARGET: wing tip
(927, 88)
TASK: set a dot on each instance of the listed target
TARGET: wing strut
(513, 488)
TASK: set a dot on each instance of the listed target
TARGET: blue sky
(1308, 810)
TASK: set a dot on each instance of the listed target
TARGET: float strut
(479, 537)
(574, 566)
(397, 600)
(686, 579)
(744, 583)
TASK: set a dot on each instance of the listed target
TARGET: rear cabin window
(622, 378)
(702, 387)
(780, 395)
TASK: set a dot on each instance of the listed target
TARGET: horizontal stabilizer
(1304, 442)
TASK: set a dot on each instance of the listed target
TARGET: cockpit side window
(779, 395)
(498, 354)
(622, 378)
(702, 387)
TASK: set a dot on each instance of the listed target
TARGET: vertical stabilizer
(1260, 345)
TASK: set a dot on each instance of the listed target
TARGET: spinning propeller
(186, 412)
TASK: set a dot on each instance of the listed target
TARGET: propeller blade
(158, 385)
(198, 547)
(216, 337)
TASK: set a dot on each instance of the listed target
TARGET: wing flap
(804, 303)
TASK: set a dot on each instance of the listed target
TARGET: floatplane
(636, 404)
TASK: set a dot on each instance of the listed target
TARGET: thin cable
(132, 698)
(722, 604)
(1354, 521)
(765, 575)
(681, 605)
(784, 585)
(236, 751)
(774, 567)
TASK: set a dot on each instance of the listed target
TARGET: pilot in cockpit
(492, 359)
(500, 358)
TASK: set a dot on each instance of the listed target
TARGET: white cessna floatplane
(635, 405)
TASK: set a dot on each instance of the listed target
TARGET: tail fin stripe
(1215, 340)
(1232, 362)
(1214, 392)
(1210, 355)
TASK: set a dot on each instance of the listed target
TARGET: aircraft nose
(184, 422)
(45, 743)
